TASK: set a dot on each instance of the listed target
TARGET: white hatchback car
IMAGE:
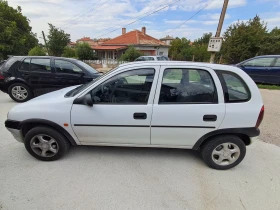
(215, 109)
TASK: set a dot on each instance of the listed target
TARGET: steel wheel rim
(44, 145)
(19, 92)
(226, 154)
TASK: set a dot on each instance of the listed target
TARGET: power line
(141, 17)
(124, 22)
(77, 14)
(85, 13)
(190, 17)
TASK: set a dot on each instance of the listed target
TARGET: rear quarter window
(234, 87)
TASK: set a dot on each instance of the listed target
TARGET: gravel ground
(270, 127)
(140, 178)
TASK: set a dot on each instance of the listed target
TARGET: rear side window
(25, 65)
(6, 66)
(259, 62)
(235, 89)
(40, 64)
(187, 86)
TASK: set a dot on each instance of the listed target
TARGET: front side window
(187, 86)
(62, 66)
(25, 65)
(235, 89)
(131, 87)
(40, 64)
(148, 59)
(259, 62)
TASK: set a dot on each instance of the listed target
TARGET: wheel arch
(16, 80)
(27, 125)
(243, 133)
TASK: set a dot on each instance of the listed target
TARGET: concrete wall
(164, 50)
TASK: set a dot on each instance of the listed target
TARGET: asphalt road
(134, 178)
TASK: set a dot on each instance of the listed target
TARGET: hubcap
(44, 145)
(19, 92)
(225, 154)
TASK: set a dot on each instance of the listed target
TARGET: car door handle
(209, 117)
(140, 116)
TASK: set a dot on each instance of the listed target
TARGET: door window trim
(21, 70)
(225, 88)
(143, 68)
(215, 99)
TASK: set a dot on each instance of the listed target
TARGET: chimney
(123, 30)
(144, 30)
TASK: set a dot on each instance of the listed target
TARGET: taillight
(260, 118)
(1, 76)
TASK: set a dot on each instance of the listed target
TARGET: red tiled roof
(100, 47)
(134, 38)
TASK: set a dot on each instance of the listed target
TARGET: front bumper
(14, 128)
(17, 134)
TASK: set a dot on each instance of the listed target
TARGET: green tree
(131, 54)
(271, 43)
(37, 51)
(180, 49)
(16, 37)
(84, 51)
(242, 40)
(200, 46)
(69, 52)
(57, 40)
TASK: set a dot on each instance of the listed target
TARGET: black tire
(23, 86)
(212, 144)
(62, 143)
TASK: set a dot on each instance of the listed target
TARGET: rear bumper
(2, 86)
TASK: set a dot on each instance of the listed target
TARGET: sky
(177, 18)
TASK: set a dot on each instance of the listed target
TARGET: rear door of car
(188, 104)
(260, 69)
(38, 74)
(68, 73)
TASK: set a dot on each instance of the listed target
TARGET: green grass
(270, 87)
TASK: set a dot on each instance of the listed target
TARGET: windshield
(87, 67)
(79, 89)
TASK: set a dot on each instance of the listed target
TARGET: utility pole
(219, 28)
(45, 42)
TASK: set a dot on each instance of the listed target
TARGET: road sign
(215, 44)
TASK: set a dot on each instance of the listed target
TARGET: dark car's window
(131, 87)
(40, 64)
(148, 59)
(277, 64)
(62, 66)
(235, 89)
(259, 62)
(187, 86)
(86, 66)
(8, 64)
(139, 59)
(25, 65)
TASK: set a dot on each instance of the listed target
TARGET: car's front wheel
(223, 152)
(20, 92)
(45, 143)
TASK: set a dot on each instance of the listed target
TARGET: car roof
(263, 56)
(182, 63)
(28, 56)
(151, 56)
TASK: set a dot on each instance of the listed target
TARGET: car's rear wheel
(223, 152)
(45, 143)
(20, 92)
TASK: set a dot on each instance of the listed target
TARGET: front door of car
(121, 111)
(188, 104)
(68, 74)
(259, 69)
(275, 69)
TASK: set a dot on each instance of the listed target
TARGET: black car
(24, 77)
(263, 69)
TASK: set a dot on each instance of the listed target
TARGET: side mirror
(88, 100)
(85, 100)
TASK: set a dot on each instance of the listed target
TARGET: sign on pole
(215, 44)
